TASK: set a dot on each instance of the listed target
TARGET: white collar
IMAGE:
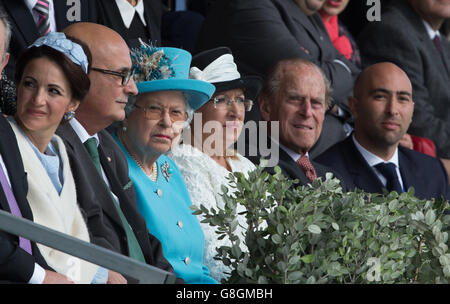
(127, 11)
(371, 158)
(431, 33)
(83, 135)
(31, 4)
(294, 155)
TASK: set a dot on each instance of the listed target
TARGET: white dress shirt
(83, 135)
(51, 15)
(127, 11)
(431, 33)
(374, 160)
(294, 155)
(39, 272)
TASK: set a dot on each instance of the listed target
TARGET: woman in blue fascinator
(51, 81)
(154, 119)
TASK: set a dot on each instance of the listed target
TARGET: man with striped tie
(296, 94)
(20, 260)
(31, 19)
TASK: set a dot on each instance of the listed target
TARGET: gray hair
(274, 78)
(5, 20)
(131, 106)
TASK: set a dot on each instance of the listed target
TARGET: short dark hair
(78, 80)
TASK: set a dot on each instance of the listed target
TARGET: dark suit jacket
(109, 15)
(96, 202)
(426, 174)
(16, 264)
(24, 29)
(261, 32)
(401, 37)
(290, 168)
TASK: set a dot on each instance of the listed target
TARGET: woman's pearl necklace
(153, 174)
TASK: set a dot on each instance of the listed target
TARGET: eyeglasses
(156, 113)
(222, 102)
(125, 75)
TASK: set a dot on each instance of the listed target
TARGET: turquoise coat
(164, 204)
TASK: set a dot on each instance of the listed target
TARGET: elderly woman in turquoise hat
(153, 124)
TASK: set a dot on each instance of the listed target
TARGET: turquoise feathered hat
(167, 69)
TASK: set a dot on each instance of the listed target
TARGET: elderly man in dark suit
(408, 35)
(261, 32)
(371, 159)
(20, 259)
(296, 95)
(27, 26)
(104, 191)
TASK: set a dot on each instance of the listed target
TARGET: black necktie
(389, 172)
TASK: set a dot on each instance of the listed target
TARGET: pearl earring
(69, 115)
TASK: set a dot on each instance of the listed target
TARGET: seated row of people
(124, 194)
(80, 182)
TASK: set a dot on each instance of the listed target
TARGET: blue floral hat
(167, 69)
(59, 42)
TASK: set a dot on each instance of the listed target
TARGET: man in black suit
(262, 32)
(296, 95)
(408, 35)
(17, 262)
(24, 18)
(104, 191)
(371, 159)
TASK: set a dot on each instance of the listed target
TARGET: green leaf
(430, 217)
(294, 276)
(311, 280)
(294, 260)
(276, 239)
(314, 229)
(280, 229)
(262, 280)
(393, 205)
(307, 259)
(335, 226)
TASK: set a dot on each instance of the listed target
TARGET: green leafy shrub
(318, 234)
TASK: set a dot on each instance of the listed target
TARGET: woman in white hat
(209, 158)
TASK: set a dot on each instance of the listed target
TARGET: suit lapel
(61, 19)
(409, 173)
(417, 23)
(13, 162)
(290, 167)
(306, 22)
(22, 17)
(83, 167)
(363, 175)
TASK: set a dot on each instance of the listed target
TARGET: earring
(124, 129)
(69, 115)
